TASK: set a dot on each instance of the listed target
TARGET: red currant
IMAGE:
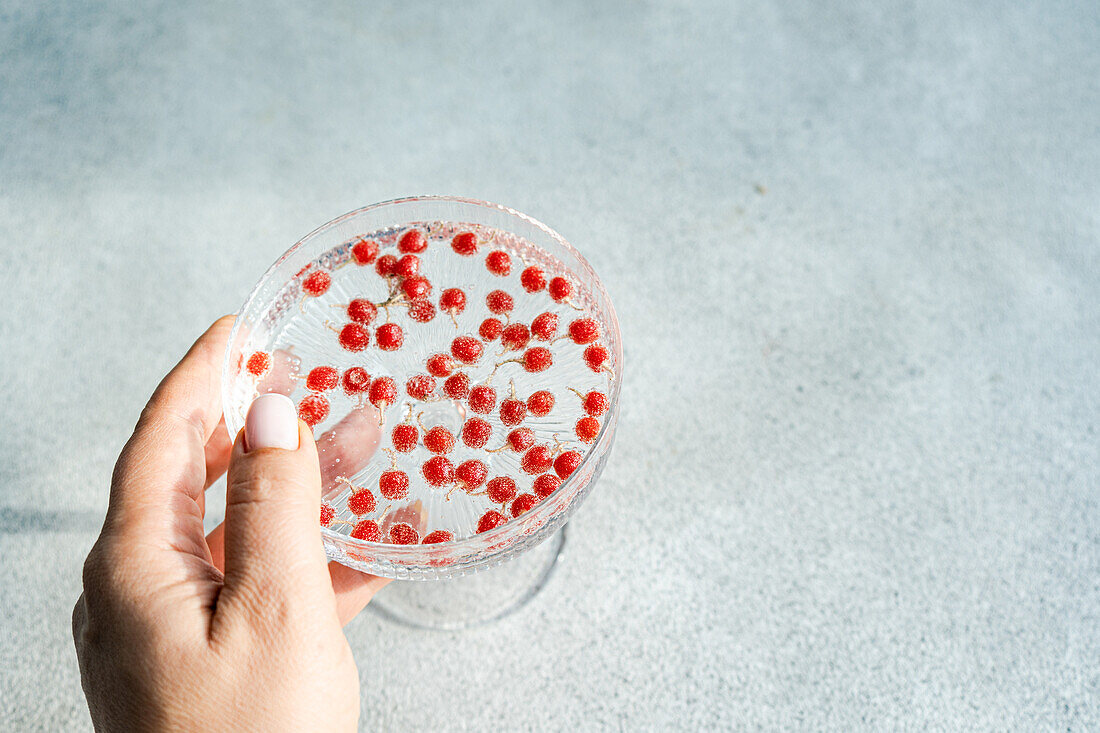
(416, 286)
(523, 503)
(452, 300)
(389, 337)
(466, 349)
(420, 386)
(421, 310)
(533, 279)
(434, 538)
(471, 474)
(385, 265)
(537, 359)
(383, 392)
(439, 440)
(327, 514)
(407, 266)
(313, 409)
(595, 403)
(584, 331)
(566, 463)
(595, 356)
(258, 363)
(322, 379)
(405, 437)
(512, 411)
(476, 432)
(354, 337)
(501, 489)
(483, 399)
(361, 502)
(403, 534)
(515, 337)
(464, 243)
(364, 251)
(560, 289)
(587, 428)
(438, 471)
(520, 439)
(490, 520)
(362, 311)
(412, 241)
(499, 302)
(440, 365)
(540, 403)
(316, 283)
(355, 381)
(457, 386)
(368, 531)
(546, 484)
(393, 484)
(490, 329)
(544, 326)
(536, 460)
(498, 262)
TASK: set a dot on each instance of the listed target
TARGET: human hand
(240, 630)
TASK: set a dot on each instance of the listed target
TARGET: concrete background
(854, 253)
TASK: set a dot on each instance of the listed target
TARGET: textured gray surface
(854, 253)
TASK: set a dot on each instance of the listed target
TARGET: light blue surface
(855, 257)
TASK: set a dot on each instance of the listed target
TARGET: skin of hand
(240, 630)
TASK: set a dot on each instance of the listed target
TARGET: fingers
(218, 448)
(274, 560)
(353, 590)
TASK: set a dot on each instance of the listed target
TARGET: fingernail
(272, 422)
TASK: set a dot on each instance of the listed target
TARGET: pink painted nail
(272, 422)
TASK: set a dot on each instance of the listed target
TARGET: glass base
(471, 600)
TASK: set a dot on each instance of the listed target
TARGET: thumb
(274, 559)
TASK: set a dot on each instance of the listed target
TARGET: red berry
(316, 283)
(587, 428)
(385, 265)
(471, 474)
(355, 381)
(393, 484)
(512, 411)
(560, 289)
(412, 241)
(544, 326)
(440, 365)
(501, 489)
(362, 311)
(537, 359)
(258, 363)
(421, 310)
(327, 514)
(452, 300)
(515, 337)
(521, 439)
(368, 531)
(313, 409)
(499, 302)
(439, 440)
(483, 399)
(416, 286)
(594, 356)
(540, 403)
(364, 251)
(566, 463)
(546, 484)
(466, 349)
(457, 386)
(420, 386)
(440, 535)
(490, 329)
(584, 331)
(322, 379)
(465, 243)
(498, 262)
(383, 392)
(595, 403)
(476, 432)
(361, 502)
(438, 471)
(405, 437)
(354, 337)
(490, 520)
(536, 460)
(389, 337)
(407, 266)
(403, 534)
(533, 279)
(523, 503)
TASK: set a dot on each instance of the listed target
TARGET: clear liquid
(299, 332)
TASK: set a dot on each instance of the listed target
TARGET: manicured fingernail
(272, 422)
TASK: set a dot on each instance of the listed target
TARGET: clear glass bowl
(450, 559)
